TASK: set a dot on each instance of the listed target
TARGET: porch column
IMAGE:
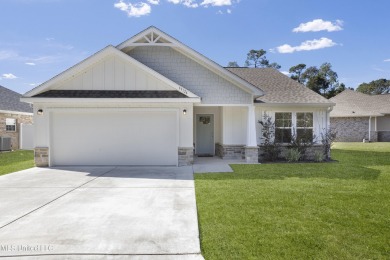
(369, 129)
(251, 148)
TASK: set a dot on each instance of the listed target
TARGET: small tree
(270, 147)
(328, 136)
(232, 64)
(257, 59)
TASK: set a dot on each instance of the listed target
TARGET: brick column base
(252, 154)
(41, 156)
(186, 156)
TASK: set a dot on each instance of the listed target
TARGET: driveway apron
(99, 212)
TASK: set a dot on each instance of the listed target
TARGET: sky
(41, 38)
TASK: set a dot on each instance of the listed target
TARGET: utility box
(5, 143)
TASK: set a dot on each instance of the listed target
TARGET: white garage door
(113, 138)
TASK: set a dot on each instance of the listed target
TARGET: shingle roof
(10, 101)
(111, 94)
(351, 103)
(278, 87)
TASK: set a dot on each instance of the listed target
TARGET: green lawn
(16, 161)
(338, 210)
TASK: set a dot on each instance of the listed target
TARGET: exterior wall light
(184, 111)
(40, 112)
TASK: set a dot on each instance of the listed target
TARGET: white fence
(26, 137)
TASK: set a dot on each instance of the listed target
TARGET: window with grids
(305, 127)
(283, 127)
(10, 124)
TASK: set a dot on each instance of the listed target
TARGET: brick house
(152, 100)
(359, 116)
(13, 113)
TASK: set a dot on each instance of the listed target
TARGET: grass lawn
(16, 161)
(299, 211)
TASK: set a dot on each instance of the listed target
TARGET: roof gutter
(328, 105)
(32, 100)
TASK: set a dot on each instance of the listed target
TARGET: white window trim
(294, 126)
(7, 123)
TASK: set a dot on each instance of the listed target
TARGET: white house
(152, 100)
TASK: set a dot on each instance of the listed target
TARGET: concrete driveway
(99, 213)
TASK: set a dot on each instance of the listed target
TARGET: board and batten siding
(320, 118)
(234, 125)
(113, 73)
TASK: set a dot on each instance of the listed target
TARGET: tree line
(322, 80)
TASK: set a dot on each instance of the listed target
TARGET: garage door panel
(112, 138)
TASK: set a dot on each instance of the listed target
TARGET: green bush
(319, 156)
(293, 155)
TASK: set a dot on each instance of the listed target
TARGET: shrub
(328, 136)
(293, 155)
(271, 149)
(302, 143)
(319, 156)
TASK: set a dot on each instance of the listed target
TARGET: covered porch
(227, 132)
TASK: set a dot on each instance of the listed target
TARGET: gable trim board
(150, 121)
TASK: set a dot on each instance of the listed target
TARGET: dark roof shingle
(10, 101)
(278, 87)
(111, 94)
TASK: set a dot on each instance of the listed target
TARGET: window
(305, 127)
(10, 124)
(283, 127)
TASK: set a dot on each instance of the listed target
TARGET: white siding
(113, 73)
(234, 124)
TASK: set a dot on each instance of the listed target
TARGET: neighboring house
(359, 116)
(152, 100)
(13, 113)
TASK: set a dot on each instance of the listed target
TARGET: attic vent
(152, 38)
(5, 143)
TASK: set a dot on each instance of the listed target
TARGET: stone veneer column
(186, 156)
(252, 154)
(41, 156)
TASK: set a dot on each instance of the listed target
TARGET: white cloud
(6, 55)
(319, 25)
(387, 60)
(216, 2)
(8, 76)
(307, 46)
(187, 3)
(154, 2)
(286, 73)
(134, 10)
(30, 63)
(228, 11)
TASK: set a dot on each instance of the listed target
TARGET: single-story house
(359, 116)
(152, 100)
(13, 113)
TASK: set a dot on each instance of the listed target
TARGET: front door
(204, 135)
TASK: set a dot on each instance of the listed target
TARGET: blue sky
(41, 38)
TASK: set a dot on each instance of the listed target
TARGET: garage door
(113, 138)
